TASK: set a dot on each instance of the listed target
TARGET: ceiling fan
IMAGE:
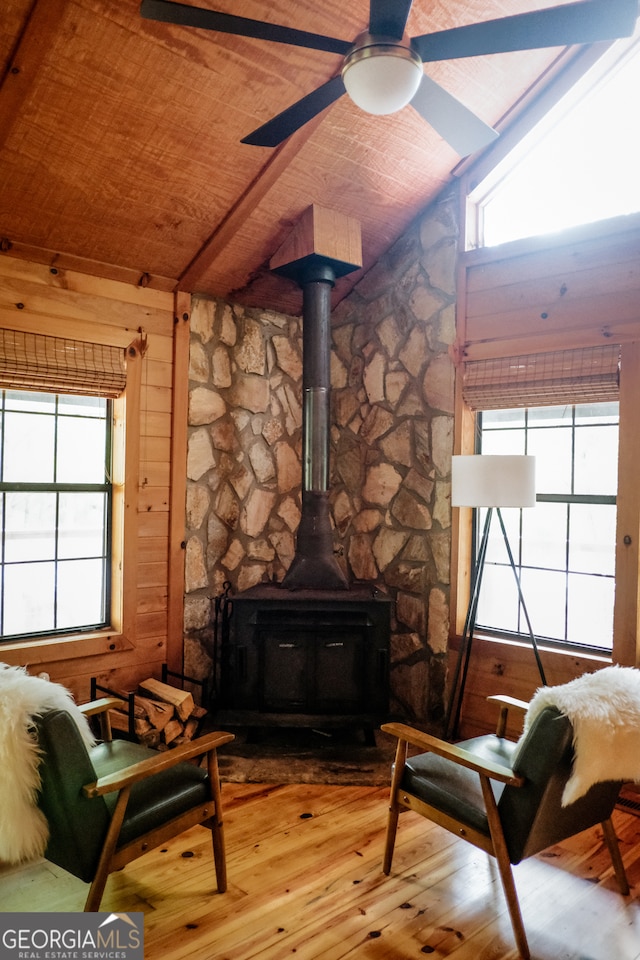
(382, 69)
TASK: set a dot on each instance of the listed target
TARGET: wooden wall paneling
(154, 498)
(76, 672)
(160, 346)
(584, 322)
(152, 598)
(150, 548)
(510, 668)
(156, 424)
(95, 300)
(567, 339)
(155, 473)
(553, 290)
(525, 297)
(155, 449)
(68, 308)
(66, 303)
(153, 574)
(587, 281)
(152, 623)
(156, 398)
(175, 612)
(160, 374)
(154, 525)
(609, 242)
(15, 317)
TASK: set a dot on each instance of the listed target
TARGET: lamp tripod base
(454, 708)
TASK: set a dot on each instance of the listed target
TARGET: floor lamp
(494, 482)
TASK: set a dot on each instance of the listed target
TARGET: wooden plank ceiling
(120, 148)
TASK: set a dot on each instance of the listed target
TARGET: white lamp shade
(487, 480)
(383, 82)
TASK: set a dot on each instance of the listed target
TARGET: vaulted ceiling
(120, 139)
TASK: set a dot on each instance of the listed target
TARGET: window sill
(548, 650)
(46, 649)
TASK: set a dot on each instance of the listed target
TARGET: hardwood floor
(305, 881)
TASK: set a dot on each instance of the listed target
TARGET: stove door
(312, 671)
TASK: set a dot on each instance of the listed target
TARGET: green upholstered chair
(109, 804)
(503, 801)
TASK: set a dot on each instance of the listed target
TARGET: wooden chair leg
(96, 890)
(390, 840)
(219, 855)
(504, 867)
(216, 824)
(616, 858)
(511, 896)
(392, 822)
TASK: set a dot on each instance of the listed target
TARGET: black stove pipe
(314, 565)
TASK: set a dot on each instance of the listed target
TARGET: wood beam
(57, 260)
(26, 60)
(240, 212)
(626, 617)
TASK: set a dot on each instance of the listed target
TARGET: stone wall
(392, 433)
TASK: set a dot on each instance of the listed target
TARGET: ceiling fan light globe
(382, 79)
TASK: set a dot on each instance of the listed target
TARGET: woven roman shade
(31, 361)
(587, 375)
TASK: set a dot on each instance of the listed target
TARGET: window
(564, 548)
(55, 486)
(561, 174)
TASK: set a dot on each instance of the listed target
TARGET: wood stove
(315, 645)
(311, 653)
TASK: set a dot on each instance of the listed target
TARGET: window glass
(77, 434)
(564, 547)
(551, 446)
(28, 594)
(544, 541)
(29, 445)
(559, 176)
(596, 459)
(590, 609)
(592, 538)
(29, 527)
(55, 506)
(80, 592)
(82, 525)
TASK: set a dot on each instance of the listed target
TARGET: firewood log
(182, 700)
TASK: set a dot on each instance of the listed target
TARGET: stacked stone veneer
(391, 442)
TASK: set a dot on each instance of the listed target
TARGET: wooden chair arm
(429, 744)
(100, 708)
(156, 764)
(506, 703)
(94, 707)
(516, 704)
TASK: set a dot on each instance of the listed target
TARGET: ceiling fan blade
(186, 16)
(279, 128)
(461, 128)
(585, 22)
(388, 18)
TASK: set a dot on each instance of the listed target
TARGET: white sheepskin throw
(23, 828)
(604, 710)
